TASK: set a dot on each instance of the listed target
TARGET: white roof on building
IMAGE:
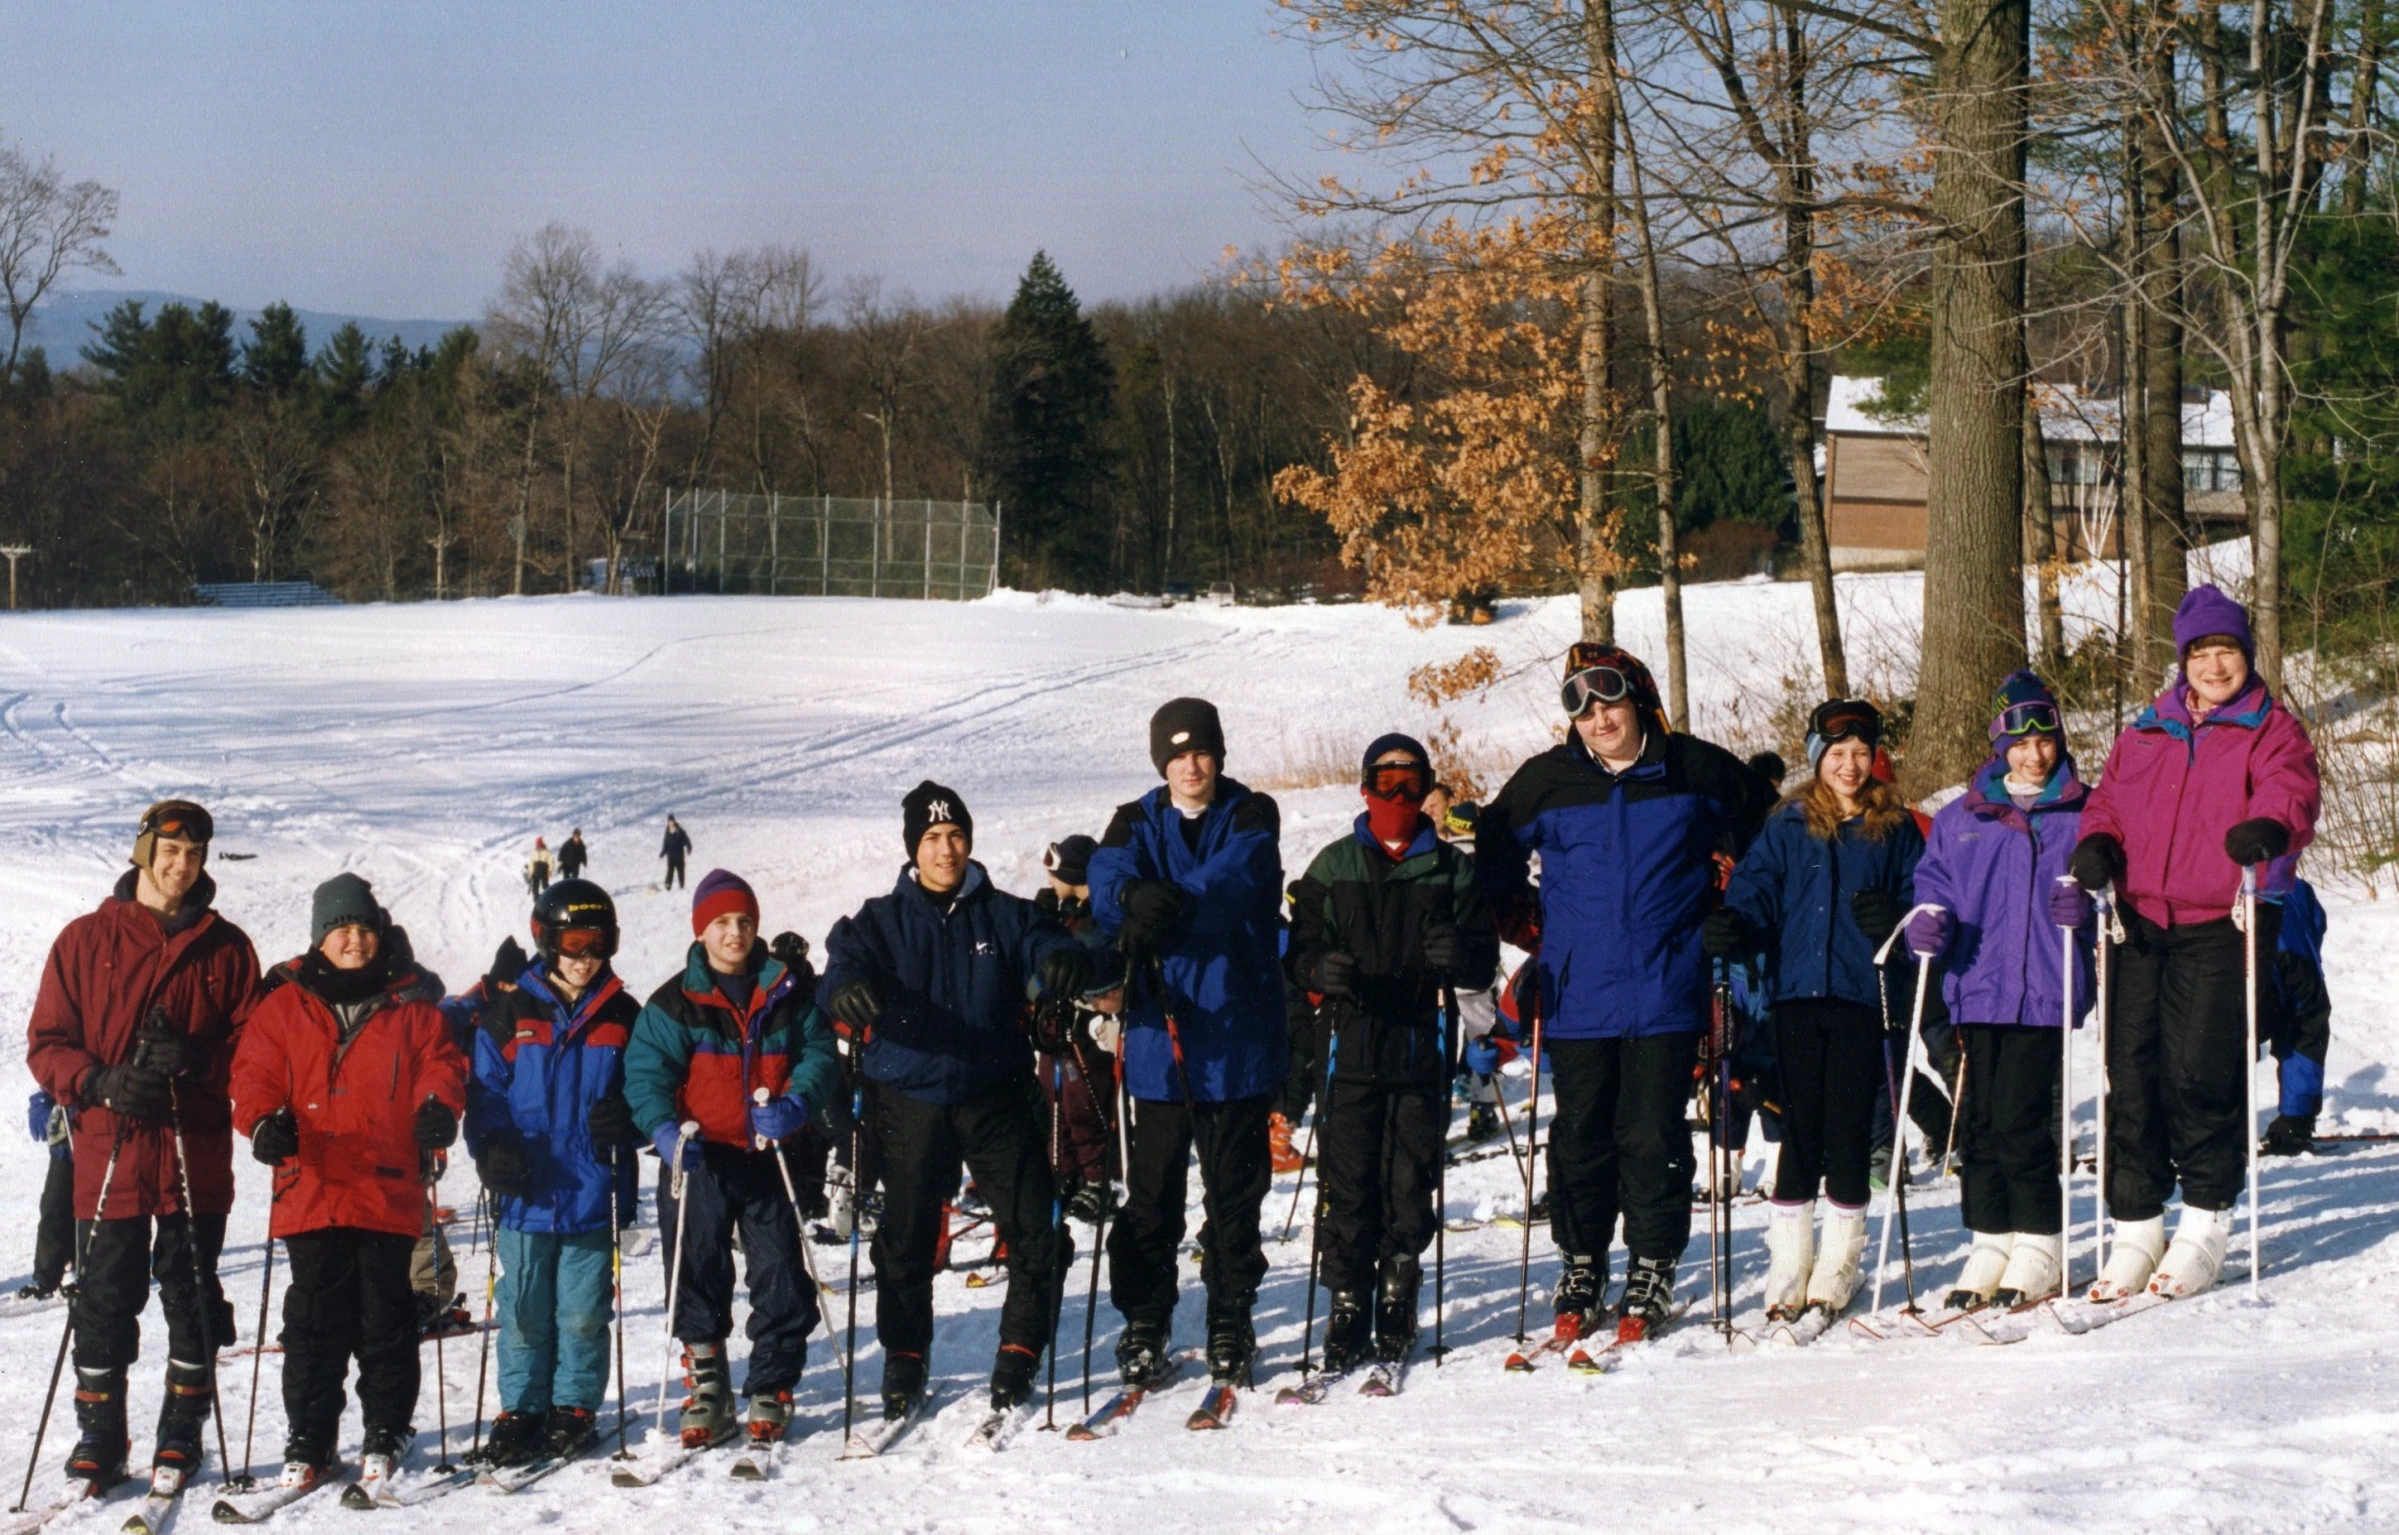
(2068, 414)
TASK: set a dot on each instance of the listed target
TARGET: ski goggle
(1846, 718)
(1593, 685)
(2035, 718)
(583, 942)
(1391, 780)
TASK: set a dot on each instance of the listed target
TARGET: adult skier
(675, 849)
(553, 1138)
(933, 978)
(538, 868)
(1993, 878)
(1189, 880)
(734, 1024)
(1828, 877)
(346, 1083)
(139, 1011)
(1628, 819)
(1386, 920)
(573, 856)
(2213, 777)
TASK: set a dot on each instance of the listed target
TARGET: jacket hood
(197, 904)
(975, 884)
(1986, 792)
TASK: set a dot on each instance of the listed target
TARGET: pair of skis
(1384, 1378)
(1215, 1410)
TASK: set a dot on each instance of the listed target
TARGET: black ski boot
(1141, 1358)
(1580, 1299)
(2291, 1135)
(182, 1417)
(515, 1440)
(1395, 1306)
(569, 1431)
(99, 1455)
(1648, 1298)
(903, 1384)
(1347, 1331)
(1232, 1346)
(1482, 1123)
(1012, 1375)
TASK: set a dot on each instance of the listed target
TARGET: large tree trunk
(1662, 472)
(1595, 554)
(1973, 567)
(2040, 541)
(2161, 343)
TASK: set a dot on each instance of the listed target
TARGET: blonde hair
(1879, 802)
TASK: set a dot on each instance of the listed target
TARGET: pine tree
(275, 358)
(1053, 391)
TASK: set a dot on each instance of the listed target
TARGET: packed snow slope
(425, 746)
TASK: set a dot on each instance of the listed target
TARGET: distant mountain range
(62, 326)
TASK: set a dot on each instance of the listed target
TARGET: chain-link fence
(828, 546)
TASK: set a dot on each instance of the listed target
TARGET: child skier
(345, 1081)
(1991, 878)
(734, 1025)
(1084, 1139)
(2213, 777)
(2297, 1013)
(1829, 876)
(553, 1138)
(1386, 920)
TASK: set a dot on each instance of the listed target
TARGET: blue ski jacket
(539, 1065)
(1796, 889)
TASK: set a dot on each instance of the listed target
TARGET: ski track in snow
(426, 745)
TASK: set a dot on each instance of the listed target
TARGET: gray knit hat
(340, 901)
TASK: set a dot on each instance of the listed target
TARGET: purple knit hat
(2205, 611)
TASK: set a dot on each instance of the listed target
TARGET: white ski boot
(2197, 1256)
(2035, 1270)
(1790, 1250)
(1835, 1276)
(2131, 1259)
(1985, 1267)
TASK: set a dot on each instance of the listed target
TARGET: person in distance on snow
(2213, 776)
(538, 868)
(573, 856)
(675, 849)
(1628, 819)
(1993, 878)
(346, 1082)
(1085, 1138)
(735, 1043)
(1386, 921)
(932, 981)
(1826, 881)
(553, 1138)
(140, 1009)
(1189, 880)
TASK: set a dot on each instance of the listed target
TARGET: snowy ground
(425, 746)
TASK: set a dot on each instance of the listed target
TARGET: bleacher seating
(264, 594)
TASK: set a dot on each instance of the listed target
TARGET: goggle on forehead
(1593, 685)
(2035, 718)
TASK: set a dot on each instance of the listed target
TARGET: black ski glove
(1336, 973)
(858, 1002)
(436, 1125)
(503, 1165)
(1725, 935)
(611, 1123)
(1444, 948)
(1065, 972)
(2098, 861)
(135, 1090)
(1877, 913)
(168, 1053)
(1154, 910)
(275, 1138)
(790, 951)
(2260, 839)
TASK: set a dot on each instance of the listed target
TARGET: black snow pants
(1379, 1149)
(2007, 1141)
(1235, 1169)
(1002, 1137)
(2177, 1045)
(121, 1259)
(737, 1189)
(1620, 1145)
(1831, 1057)
(349, 1297)
(54, 1238)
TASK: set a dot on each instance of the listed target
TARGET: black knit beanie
(929, 805)
(1185, 725)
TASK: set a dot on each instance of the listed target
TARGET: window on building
(2211, 469)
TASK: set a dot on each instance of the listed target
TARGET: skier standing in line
(1827, 879)
(553, 1138)
(1993, 870)
(2214, 776)
(1628, 819)
(573, 856)
(1086, 1139)
(54, 1236)
(734, 1021)
(346, 1082)
(2296, 1014)
(675, 849)
(1189, 880)
(1386, 919)
(933, 978)
(538, 868)
(140, 1009)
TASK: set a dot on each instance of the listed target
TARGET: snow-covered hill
(424, 746)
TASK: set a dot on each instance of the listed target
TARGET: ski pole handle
(1884, 953)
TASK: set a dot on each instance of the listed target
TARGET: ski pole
(1099, 1233)
(2111, 932)
(849, 1358)
(266, 1286)
(677, 1184)
(200, 1296)
(1895, 1197)
(1719, 1133)
(1532, 1156)
(791, 1196)
(616, 1283)
(1291, 1216)
(1049, 1409)
(1950, 1156)
(491, 1291)
(441, 1388)
(2065, 1155)
(1449, 1078)
(2249, 1061)
(1307, 1328)
(83, 1254)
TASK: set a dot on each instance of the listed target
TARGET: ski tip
(1518, 1364)
(224, 1512)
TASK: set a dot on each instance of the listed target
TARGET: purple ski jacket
(2172, 790)
(1990, 866)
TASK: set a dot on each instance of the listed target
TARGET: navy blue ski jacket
(1223, 971)
(1795, 890)
(961, 967)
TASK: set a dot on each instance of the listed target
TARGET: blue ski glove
(778, 1119)
(37, 1115)
(2070, 905)
(1482, 1056)
(664, 1142)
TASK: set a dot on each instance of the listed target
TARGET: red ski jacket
(355, 1102)
(106, 972)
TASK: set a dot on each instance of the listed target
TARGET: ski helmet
(574, 906)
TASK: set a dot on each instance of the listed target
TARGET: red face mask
(1394, 806)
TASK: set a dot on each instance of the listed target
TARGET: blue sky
(379, 158)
